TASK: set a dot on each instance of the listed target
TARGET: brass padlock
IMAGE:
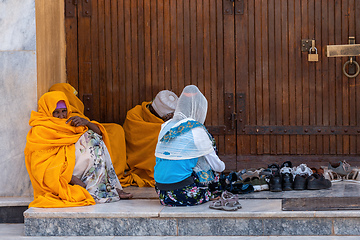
(313, 57)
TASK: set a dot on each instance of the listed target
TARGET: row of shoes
(287, 178)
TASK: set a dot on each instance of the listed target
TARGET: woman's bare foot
(124, 195)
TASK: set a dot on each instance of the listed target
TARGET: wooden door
(267, 103)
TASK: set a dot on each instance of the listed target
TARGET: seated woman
(142, 126)
(185, 156)
(67, 158)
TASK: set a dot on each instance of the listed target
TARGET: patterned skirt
(193, 194)
(94, 167)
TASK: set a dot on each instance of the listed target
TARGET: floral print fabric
(94, 167)
(193, 194)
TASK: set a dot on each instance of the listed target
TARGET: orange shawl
(117, 146)
(141, 133)
(50, 156)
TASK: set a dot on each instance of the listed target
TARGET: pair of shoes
(227, 202)
(331, 175)
(258, 183)
(317, 182)
(275, 180)
(342, 168)
(301, 174)
(353, 176)
(287, 178)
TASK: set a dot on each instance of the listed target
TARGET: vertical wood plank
(161, 52)
(173, 49)
(144, 89)
(220, 66)
(108, 114)
(134, 53)
(154, 50)
(338, 76)
(298, 76)
(325, 70)
(258, 74)
(285, 72)
(187, 43)
(242, 73)
(292, 75)
(332, 73)
(278, 74)
(167, 45)
(147, 52)
(272, 73)
(115, 62)
(318, 75)
(71, 36)
(345, 80)
(95, 61)
(200, 43)
(180, 44)
(352, 82)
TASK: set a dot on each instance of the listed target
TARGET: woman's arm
(216, 164)
(79, 121)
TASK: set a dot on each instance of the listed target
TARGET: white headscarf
(192, 105)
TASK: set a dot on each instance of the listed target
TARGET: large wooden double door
(267, 102)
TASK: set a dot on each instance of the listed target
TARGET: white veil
(192, 105)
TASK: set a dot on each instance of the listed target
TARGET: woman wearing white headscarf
(185, 156)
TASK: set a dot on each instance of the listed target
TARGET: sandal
(353, 176)
(227, 202)
(232, 198)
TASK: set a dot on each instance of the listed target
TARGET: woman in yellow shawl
(142, 126)
(117, 147)
(55, 143)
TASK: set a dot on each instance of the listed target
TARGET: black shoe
(275, 169)
(286, 164)
(300, 182)
(287, 181)
(275, 183)
(317, 182)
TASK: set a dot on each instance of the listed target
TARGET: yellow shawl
(141, 133)
(50, 156)
(117, 146)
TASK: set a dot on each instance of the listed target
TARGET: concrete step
(146, 217)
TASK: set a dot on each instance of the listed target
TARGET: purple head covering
(60, 104)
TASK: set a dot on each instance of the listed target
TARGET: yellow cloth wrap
(117, 147)
(141, 133)
(50, 156)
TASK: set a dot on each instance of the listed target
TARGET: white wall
(18, 89)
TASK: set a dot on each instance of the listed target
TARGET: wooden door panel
(126, 51)
(313, 103)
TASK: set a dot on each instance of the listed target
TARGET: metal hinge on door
(231, 6)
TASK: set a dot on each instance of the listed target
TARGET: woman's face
(60, 113)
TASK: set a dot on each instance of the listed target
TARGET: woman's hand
(77, 181)
(77, 121)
